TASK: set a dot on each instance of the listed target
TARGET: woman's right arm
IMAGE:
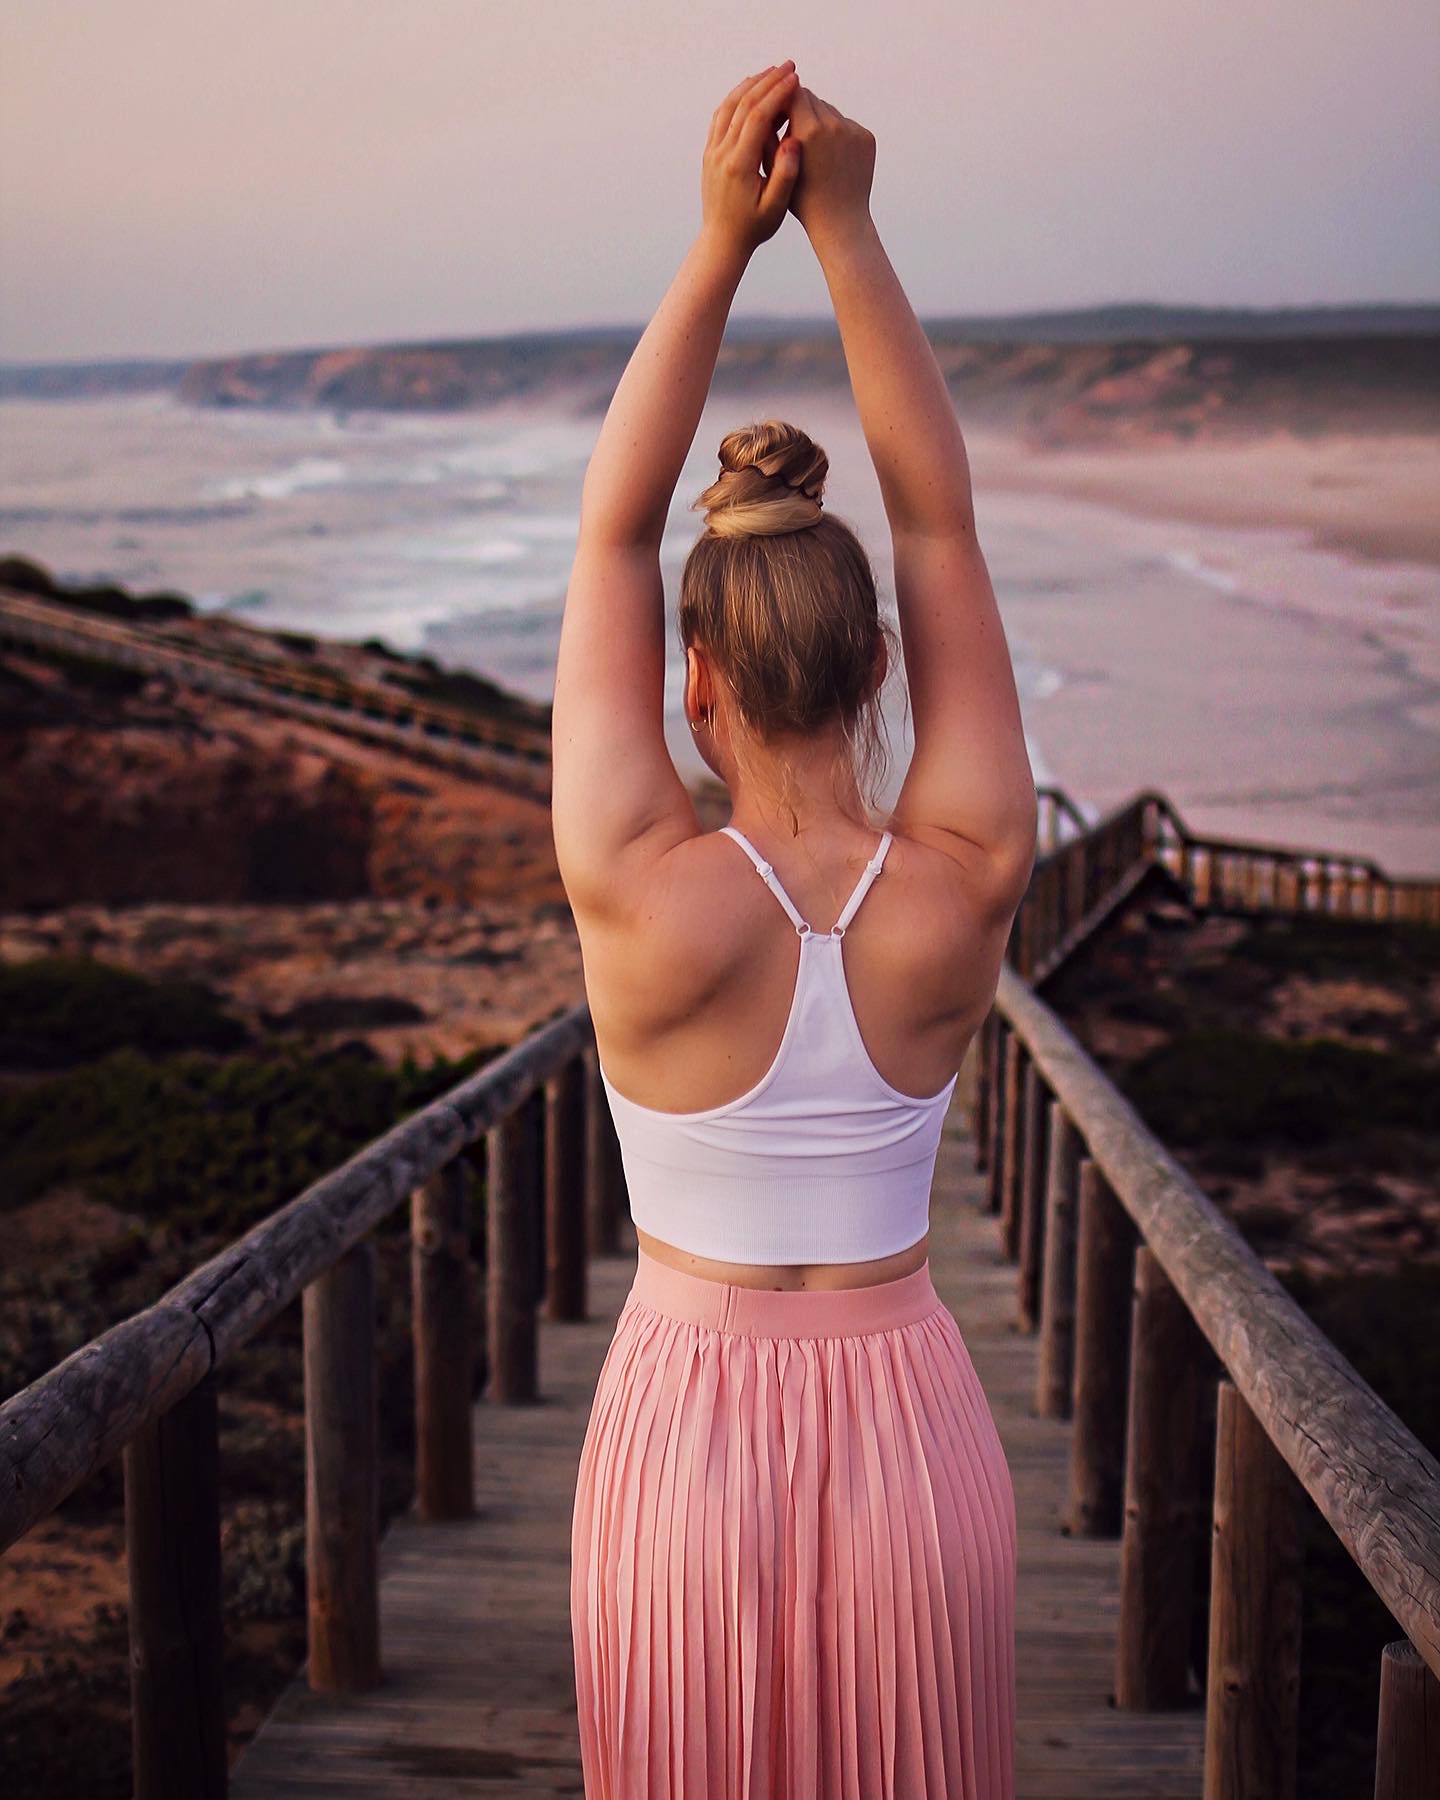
(969, 781)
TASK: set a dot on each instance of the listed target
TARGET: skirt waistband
(783, 1312)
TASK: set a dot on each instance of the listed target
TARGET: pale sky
(206, 177)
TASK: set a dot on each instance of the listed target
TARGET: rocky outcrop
(139, 812)
(119, 792)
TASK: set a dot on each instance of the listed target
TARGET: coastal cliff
(1116, 374)
(1057, 393)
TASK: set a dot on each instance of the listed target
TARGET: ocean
(452, 534)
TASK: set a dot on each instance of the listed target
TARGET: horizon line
(751, 319)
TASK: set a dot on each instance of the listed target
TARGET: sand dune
(1375, 495)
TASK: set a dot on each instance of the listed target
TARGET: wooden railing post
(984, 1081)
(1313, 875)
(1204, 876)
(534, 1109)
(1252, 1689)
(1006, 1172)
(1077, 867)
(1407, 1738)
(1054, 1369)
(1336, 877)
(440, 1291)
(172, 1549)
(1157, 1543)
(603, 1190)
(1031, 1224)
(342, 1486)
(1104, 1274)
(996, 1127)
(565, 1260)
(1016, 1088)
(1017, 944)
(512, 1221)
(1054, 906)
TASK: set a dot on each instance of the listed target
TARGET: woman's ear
(699, 690)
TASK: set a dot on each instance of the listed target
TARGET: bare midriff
(783, 1277)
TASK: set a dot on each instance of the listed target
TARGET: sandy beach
(1374, 497)
(1252, 627)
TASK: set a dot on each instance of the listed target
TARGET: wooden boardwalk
(478, 1695)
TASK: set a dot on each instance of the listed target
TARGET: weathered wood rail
(516, 756)
(1140, 1292)
(1229, 875)
(1125, 1270)
(536, 1121)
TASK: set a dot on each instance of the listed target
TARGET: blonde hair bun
(772, 477)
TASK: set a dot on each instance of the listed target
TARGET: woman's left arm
(617, 798)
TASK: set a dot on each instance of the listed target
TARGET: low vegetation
(28, 577)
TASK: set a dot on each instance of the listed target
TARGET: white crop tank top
(821, 1161)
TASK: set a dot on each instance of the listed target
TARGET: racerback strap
(862, 886)
(767, 874)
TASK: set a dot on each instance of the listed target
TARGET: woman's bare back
(690, 1011)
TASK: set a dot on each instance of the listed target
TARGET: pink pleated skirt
(793, 1551)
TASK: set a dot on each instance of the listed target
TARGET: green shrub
(199, 1142)
(1220, 1084)
(1396, 951)
(27, 576)
(464, 689)
(113, 680)
(56, 1011)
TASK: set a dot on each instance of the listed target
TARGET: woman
(793, 1553)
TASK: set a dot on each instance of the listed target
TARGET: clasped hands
(820, 170)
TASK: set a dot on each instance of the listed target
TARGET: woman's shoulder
(690, 910)
(985, 885)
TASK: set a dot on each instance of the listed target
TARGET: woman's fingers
(758, 96)
(725, 112)
(803, 110)
(758, 113)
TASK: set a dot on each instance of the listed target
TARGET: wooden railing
(1081, 880)
(1058, 818)
(516, 756)
(1140, 1291)
(1230, 875)
(1075, 1179)
(536, 1122)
